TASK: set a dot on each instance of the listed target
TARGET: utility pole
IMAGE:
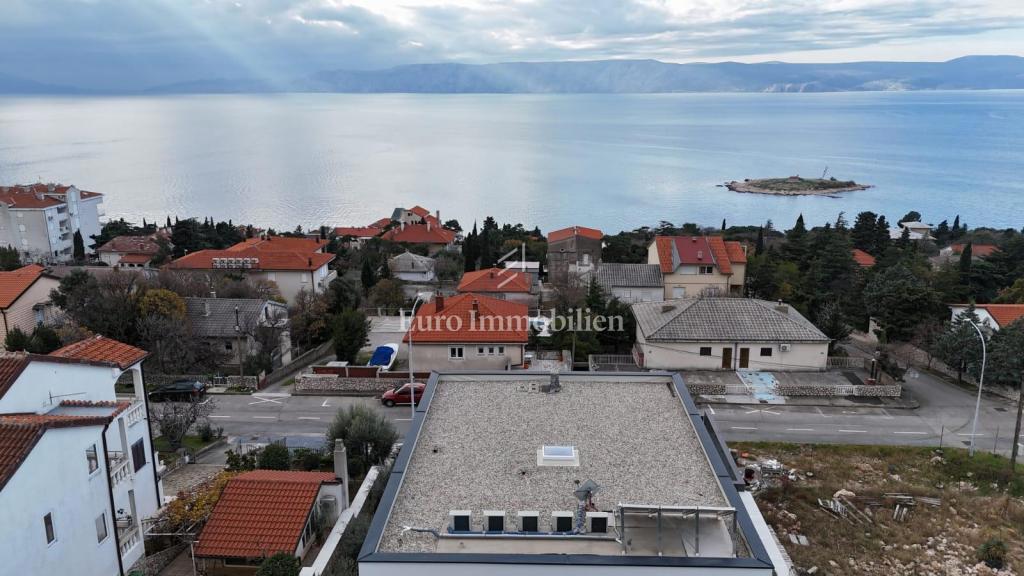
(1015, 449)
(238, 345)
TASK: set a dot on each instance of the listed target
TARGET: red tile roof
(11, 366)
(674, 251)
(419, 211)
(863, 259)
(261, 513)
(38, 195)
(382, 223)
(592, 233)
(495, 280)
(131, 245)
(102, 349)
(280, 244)
(268, 259)
(977, 250)
(493, 320)
(1003, 314)
(14, 283)
(357, 231)
(420, 234)
(19, 434)
(135, 258)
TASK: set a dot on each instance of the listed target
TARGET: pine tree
(723, 224)
(759, 247)
(79, 246)
(864, 233)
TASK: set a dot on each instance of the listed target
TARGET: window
(766, 352)
(480, 351)
(501, 349)
(48, 526)
(495, 521)
(490, 350)
(272, 276)
(304, 279)
(706, 270)
(228, 345)
(679, 291)
(705, 350)
(528, 522)
(101, 527)
(559, 452)
(139, 454)
(563, 521)
(460, 520)
(456, 353)
(627, 293)
(90, 457)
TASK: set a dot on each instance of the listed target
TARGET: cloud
(124, 44)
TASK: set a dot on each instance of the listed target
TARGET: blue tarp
(381, 356)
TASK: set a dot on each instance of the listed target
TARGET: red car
(400, 394)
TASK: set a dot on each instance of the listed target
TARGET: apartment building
(572, 252)
(596, 474)
(78, 474)
(40, 220)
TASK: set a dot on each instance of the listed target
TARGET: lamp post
(238, 344)
(981, 382)
(412, 384)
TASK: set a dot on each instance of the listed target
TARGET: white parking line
(799, 429)
(324, 405)
(218, 416)
(712, 410)
(978, 434)
(764, 411)
(855, 431)
(743, 428)
(917, 433)
(309, 417)
(403, 419)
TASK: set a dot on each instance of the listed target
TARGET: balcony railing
(129, 538)
(120, 468)
(136, 413)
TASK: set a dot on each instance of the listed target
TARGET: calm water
(612, 161)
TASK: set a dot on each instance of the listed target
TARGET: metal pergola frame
(681, 512)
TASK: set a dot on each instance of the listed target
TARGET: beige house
(467, 332)
(25, 299)
(726, 334)
(692, 266)
(294, 264)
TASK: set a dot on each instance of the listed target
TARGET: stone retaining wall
(152, 565)
(249, 382)
(330, 384)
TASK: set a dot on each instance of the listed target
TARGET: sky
(132, 44)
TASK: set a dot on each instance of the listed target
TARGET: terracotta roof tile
(1004, 314)
(11, 366)
(493, 321)
(102, 349)
(279, 244)
(495, 280)
(131, 245)
(260, 513)
(420, 234)
(19, 434)
(592, 233)
(419, 211)
(674, 251)
(14, 283)
(863, 259)
(977, 250)
(357, 231)
(268, 259)
(135, 258)
(382, 223)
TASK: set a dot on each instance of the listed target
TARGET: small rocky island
(795, 186)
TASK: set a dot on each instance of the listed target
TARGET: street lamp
(412, 384)
(981, 382)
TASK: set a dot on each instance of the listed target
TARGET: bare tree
(175, 419)
(264, 331)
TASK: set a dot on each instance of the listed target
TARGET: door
(744, 358)
(726, 358)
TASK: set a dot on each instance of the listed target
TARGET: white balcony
(120, 467)
(129, 538)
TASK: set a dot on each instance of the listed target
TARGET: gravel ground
(478, 451)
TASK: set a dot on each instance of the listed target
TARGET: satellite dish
(587, 489)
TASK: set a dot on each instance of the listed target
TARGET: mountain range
(613, 76)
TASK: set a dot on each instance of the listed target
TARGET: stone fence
(331, 384)
(152, 565)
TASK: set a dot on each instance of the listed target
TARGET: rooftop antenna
(52, 395)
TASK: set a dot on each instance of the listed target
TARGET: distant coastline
(795, 186)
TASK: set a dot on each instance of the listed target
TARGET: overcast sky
(138, 43)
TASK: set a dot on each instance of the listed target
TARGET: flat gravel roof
(477, 451)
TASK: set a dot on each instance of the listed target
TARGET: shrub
(993, 553)
(368, 437)
(306, 459)
(241, 462)
(274, 457)
(280, 564)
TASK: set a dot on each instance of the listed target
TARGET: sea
(615, 162)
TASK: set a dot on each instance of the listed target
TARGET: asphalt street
(944, 415)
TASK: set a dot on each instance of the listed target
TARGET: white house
(726, 334)
(412, 267)
(995, 316)
(630, 283)
(78, 475)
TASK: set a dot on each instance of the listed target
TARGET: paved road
(945, 414)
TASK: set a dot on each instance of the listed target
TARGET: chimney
(341, 470)
(782, 308)
(476, 306)
(439, 302)
(693, 239)
(700, 254)
(213, 294)
(492, 273)
(437, 214)
(206, 309)
(428, 225)
(403, 224)
(310, 262)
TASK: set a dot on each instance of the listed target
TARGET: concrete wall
(21, 314)
(55, 479)
(686, 356)
(435, 357)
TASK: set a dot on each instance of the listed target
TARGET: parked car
(400, 394)
(179, 391)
